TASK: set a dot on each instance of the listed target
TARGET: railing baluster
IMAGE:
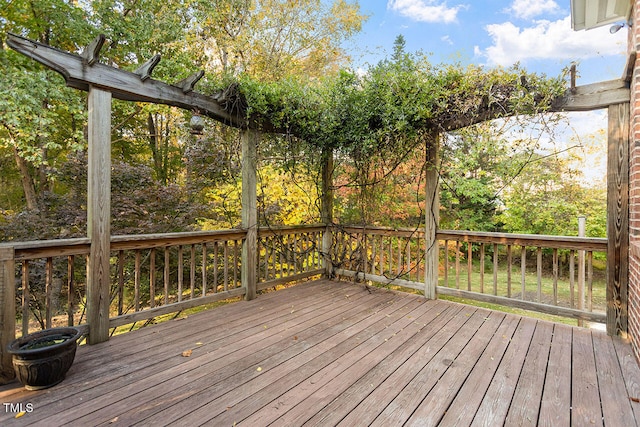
(495, 269)
(192, 271)
(469, 264)
(509, 269)
(523, 272)
(70, 289)
(137, 282)
(572, 272)
(48, 285)
(446, 263)
(226, 266)
(590, 280)
(120, 282)
(25, 297)
(539, 273)
(204, 268)
(382, 255)
(555, 276)
(408, 260)
(180, 272)
(481, 268)
(216, 257)
(236, 263)
(457, 264)
(152, 277)
(166, 275)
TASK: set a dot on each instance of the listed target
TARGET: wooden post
(431, 217)
(327, 210)
(249, 264)
(99, 214)
(7, 312)
(618, 219)
(582, 225)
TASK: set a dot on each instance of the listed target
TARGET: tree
(272, 39)
(39, 118)
(547, 198)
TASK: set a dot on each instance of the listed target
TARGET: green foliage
(547, 199)
(386, 109)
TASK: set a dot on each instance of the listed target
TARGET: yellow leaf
(20, 414)
(187, 353)
(259, 369)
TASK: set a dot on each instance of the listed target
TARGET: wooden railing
(556, 275)
(153, 275)
(287, 254)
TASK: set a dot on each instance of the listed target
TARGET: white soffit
(588, 14)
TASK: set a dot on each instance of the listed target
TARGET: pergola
(102, 82)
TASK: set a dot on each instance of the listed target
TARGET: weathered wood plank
(618, 219)
(469, 395)
(555, 409)
(630, 372)
(357, 348)
(432, 215)
(250, 139)
(8, 312)
(208, 409)
(560, 242)
(218, 342)
(616, 405)
(531, 381)
(489, 338)
(495, 404)
(214, 374)
(585, 399)
(123, 84)
(99, 214)
(409, 398)
(341, 404)
(353, 364)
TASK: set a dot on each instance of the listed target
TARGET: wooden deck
(332, 353)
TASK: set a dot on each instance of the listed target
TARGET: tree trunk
(27, 183)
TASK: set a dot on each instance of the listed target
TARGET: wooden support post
(618, 219)
(99, 214)
(327, 210)
(7, 312)
(582, 232)
(249, 264)
(431, 217)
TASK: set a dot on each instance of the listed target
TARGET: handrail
(396, 257)
(184, 268)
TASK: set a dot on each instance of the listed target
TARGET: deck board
(335, 353)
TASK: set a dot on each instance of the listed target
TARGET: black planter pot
(42, 359)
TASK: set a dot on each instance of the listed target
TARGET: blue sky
(536, 33)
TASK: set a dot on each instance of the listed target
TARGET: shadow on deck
(328, 353)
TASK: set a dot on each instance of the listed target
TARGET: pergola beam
(80, 74)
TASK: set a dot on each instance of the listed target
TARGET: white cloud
(425, 10)
(447, 40)
(527, 9)
(548, 40)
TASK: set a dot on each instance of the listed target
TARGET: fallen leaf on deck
(20, 414)
(259, 369)
(115, 420)
(187, 353)
(635, 399)
(199, 343)
(295, 337)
